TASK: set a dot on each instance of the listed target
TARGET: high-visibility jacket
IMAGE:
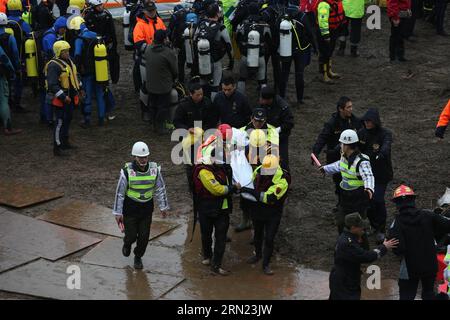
(141, 184)
(330, 16)
(211, 187)
(145, 29)
(68, 79)
(273, 188)
(353, 8)
(444, 118)
(351, 178)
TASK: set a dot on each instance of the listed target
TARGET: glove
(231, 65)
(440, 132)
(253, 192)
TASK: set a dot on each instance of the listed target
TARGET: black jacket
(376, 143)
(345, 277)
(188, 112)
(233, 110)
(102, 23)
(330, 135)
(279, 115)
(42, 17)
(416, 230)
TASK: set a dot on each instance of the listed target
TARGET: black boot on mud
(354, 51)
(138, 263)
(267, 271)
(126, 250)
(253, 259)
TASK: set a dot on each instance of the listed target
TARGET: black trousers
(137, 229)
(300, 62)
(377, 212)
(61, 129)
(353, 29)
(396, 40)
(408, 288)
(217, 223)
(416, 10)
(159, 104)
(440, 8)
(276, 67)
(181, 63)
(264, 232)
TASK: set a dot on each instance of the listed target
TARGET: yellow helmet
(59, 46)
(76, 3)
(14, 5)
(257, 138)
(270, 161)
(75, 23)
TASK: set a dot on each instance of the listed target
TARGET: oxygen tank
(187, 46)
(285, 48)
(126, 30)
(30, 58)
(204, 57)
(253, 43)
(101, 63)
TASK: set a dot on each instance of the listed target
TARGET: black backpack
(208, 30)
(18, 35)
(87, 65)
(177, 25)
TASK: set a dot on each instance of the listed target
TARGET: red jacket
(395, 6)
(308, 5)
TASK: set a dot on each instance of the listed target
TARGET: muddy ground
(409, 96)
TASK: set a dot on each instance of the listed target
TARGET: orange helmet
(403, 191)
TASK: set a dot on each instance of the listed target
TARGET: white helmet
(140, 149)
(95, 2)
(348, 136)
(3, 19)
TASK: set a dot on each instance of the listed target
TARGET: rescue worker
(331, 20)
(220, 44)
(339, 121)
(253, 22)
(175, 29)
(263, 139)
(444, 119)
(416, 229)
(354, 13)
(345, 276)
(358, 183)
(52, 35)
(213, 189)
(143, 33)
(271, 184)
(375, 141)
(42, 15)
(280, 116)
(231, 105)
(10, 47)
(399, 12)
(6, 71)
(195, 111)
(22, 31)
(303, 41)
(100, 21)
(140, 182)
(162, 71)
(84, 60)
(63, 89)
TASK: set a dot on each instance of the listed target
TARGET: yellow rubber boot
(332, 74)
(326, 78)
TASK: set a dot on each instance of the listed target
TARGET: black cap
(160, 35)
(355, 220)
(149, 5)
(259, 114)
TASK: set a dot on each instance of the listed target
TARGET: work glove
(440, 132)
(253, 192)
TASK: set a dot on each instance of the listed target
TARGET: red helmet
(403, 191)
(225, 131)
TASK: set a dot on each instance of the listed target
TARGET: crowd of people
(72, 58)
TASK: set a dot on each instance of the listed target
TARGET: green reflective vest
(354, 8)
(351, 178)
(141, 184)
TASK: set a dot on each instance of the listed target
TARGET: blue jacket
(6, 62)
(85, 34)
(51, 36)
(12, 44)
(16, 15)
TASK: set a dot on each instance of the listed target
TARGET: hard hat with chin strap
(75, 23)
(14, 5)
(348, 136)
(140, 149)
(59, 46)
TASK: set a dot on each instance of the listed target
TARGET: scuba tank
(285, 48)
(253, 43)
(31, 58)
(204, 58)
(126, 29)
(187, 46)
(101, 62)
